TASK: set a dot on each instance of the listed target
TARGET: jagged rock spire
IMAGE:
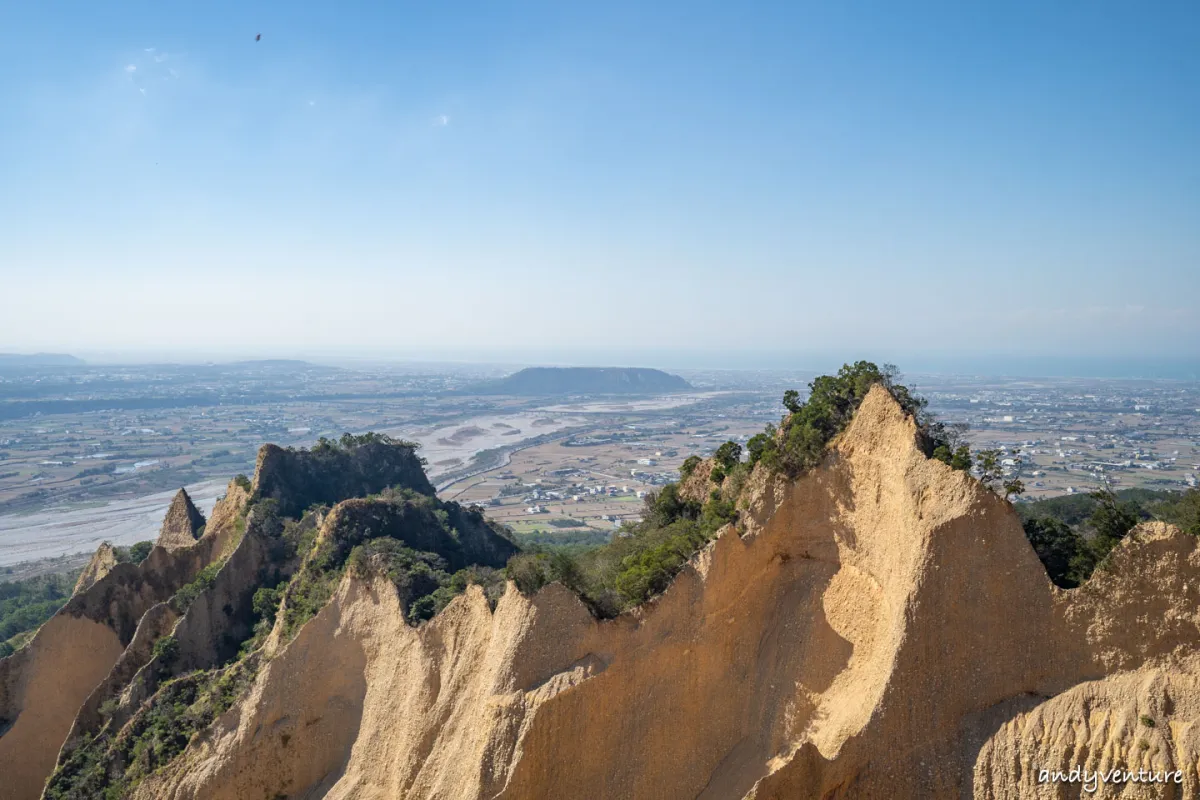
(103, 561)
(183, 522)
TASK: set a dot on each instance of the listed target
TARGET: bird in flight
(258, 37)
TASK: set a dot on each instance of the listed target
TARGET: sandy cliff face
(44, 685)
(880, 629)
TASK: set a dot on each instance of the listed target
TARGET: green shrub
(649, 572)
(727, 456)
(758, 444)
(957, 458)
(203, 581)
(134, 554)
(663, 507)
(1183, 512)
(26, 604)
(112, 764)
(530, 571)
(139, 551)
(689, 466)
(166, 650)
(1066, 555)
(638, 564)
(1111, 521)
(266, 601)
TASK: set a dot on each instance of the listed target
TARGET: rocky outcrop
(465, 539)
(50, 677)
(878, 628)
(183, 524)
(699, 485)
(207, 634)
(1129, 722)
(1136, 627)
(227, 522)
(44, 686)
(330, 473)
(104, 559)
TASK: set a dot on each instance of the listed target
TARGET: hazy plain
(67, 530)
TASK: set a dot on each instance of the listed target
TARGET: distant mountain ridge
(588, 380)
(39, 360)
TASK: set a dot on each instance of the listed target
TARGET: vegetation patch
(110, 765)
(421, 578)
(572, 540)
(430, 549)
(638, 563)
(134, 554)
(26, 604)
(1074, 535)
(203, 581)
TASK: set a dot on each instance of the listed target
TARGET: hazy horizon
(944, 179)
(950, 364)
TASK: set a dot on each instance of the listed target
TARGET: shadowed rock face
(183, 523)
(297, 479)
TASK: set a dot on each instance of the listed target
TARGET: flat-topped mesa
(355, 466)
(102, 562)
(183, 524)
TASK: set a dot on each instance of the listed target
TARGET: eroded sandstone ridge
(44, 684)
(878, 628)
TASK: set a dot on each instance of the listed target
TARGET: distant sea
(1060, 367)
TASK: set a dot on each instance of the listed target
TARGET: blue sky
(504, 178)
